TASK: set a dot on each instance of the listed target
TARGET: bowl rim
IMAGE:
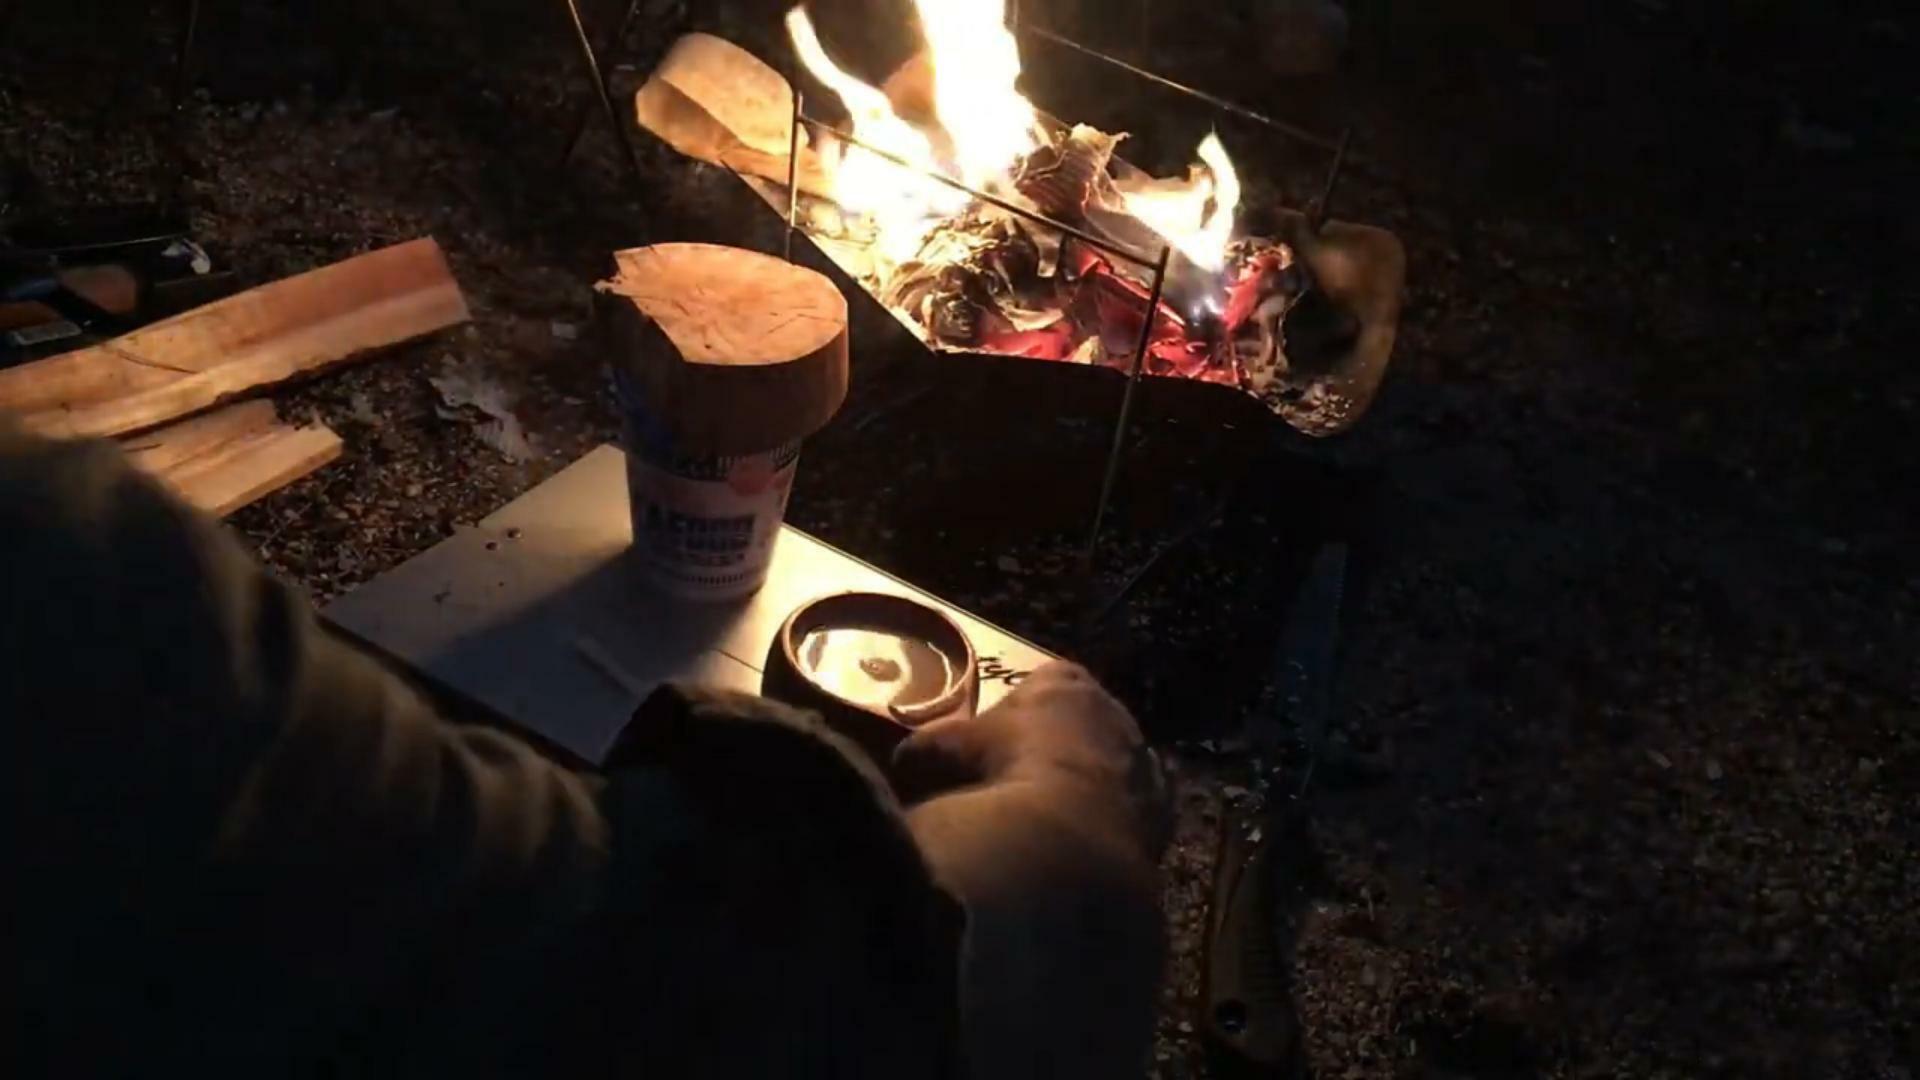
(908, 616)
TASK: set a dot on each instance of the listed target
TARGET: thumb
(955, 752)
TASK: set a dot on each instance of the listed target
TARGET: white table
(534, 613)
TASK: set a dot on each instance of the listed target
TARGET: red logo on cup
(751, 475)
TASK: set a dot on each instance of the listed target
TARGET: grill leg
(609, 48)
(592, 60)
(1117, 451)
(183, 61)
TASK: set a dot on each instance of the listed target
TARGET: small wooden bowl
(877, 727)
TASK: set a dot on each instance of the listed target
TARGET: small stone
(1660, 759)
(564, 331)
(1714, 771)
(1008, 564)
(414, 490)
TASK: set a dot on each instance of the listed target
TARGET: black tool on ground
(1247, 1013)
(77, 276)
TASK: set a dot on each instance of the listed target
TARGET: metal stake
(793, 171)
(1160, 80)
(1115, 453)
(609, 48)
(592, 60)
(1317, 213)
(179, 120)
(182, 63)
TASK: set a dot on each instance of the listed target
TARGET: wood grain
(239, 460)
(169, 447)
(734, 351)
(247, 342)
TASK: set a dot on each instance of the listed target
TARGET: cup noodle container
(703, 524)
(724, 361)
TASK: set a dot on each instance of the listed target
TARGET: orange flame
(1194, 215)
(988, 128)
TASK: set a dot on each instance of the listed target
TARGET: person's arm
(238, 839)
(209, 779)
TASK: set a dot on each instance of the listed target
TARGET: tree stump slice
(730, 351)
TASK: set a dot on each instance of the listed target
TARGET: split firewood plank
(242, 344)
(166, 448)
(230, 476)
(733, 351)
(712, 100)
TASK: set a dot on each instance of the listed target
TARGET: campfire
(987, 225)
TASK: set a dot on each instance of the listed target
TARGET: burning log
(1060, 177)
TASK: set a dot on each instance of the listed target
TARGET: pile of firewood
(172, 392)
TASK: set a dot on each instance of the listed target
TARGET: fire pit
(987, 226)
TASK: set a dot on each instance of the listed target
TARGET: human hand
(1046, 815)
(1060, 729)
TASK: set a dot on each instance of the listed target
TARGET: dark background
(1624, 771)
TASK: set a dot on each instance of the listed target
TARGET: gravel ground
(1623, 773)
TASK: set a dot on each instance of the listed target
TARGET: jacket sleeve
(222, 799)
(227, 820)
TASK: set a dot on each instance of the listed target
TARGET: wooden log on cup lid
(732, 351)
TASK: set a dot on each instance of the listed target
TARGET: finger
(974, 749)
(1063, 706)
(1057, 717)
(1056, 686)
